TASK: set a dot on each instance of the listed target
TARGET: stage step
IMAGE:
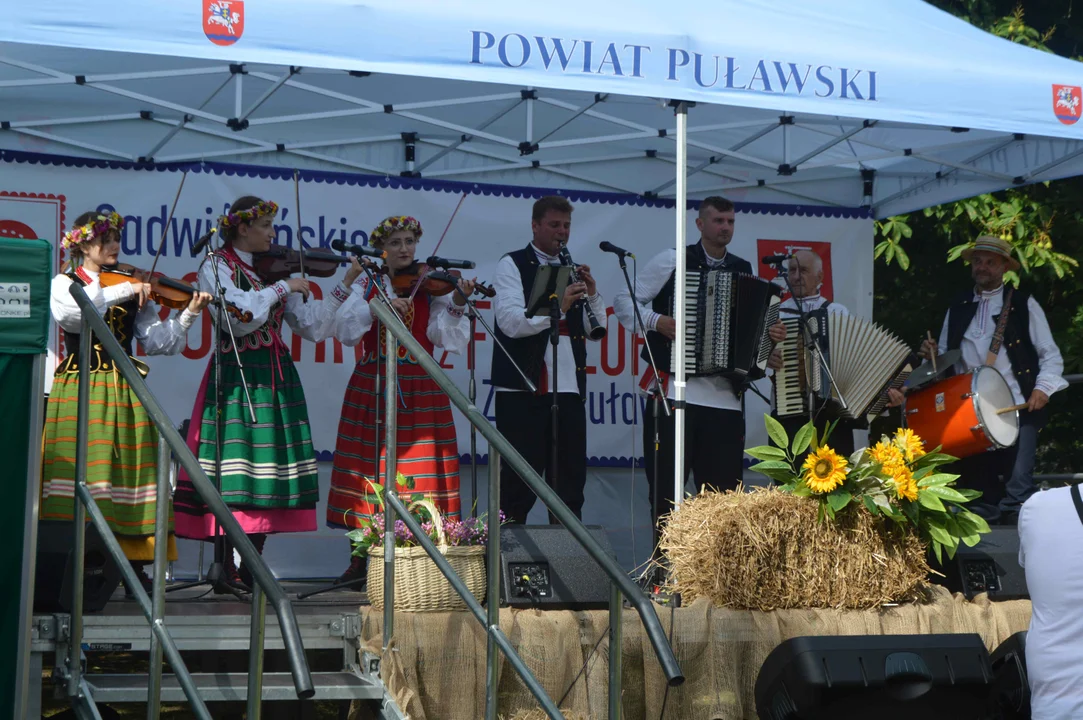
(232, 687)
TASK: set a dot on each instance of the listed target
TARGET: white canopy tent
(888, 107)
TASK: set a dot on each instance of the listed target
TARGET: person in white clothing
(525, 418)
(1028, 360)
(805, 271)
(1050, 535)
(714, 437)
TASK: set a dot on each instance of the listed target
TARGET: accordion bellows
(862, 358)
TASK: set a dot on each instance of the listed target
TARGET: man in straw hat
(1028, 360)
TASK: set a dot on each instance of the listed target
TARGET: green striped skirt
(269, 469)
(122, 453)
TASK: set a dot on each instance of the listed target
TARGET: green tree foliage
(921, 270)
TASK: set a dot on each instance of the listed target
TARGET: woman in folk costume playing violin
(427, 449)
(268, 471)
(122, 447)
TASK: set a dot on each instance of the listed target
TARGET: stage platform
(436, 668)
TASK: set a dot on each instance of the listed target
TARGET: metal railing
(621, 585)
(265, 587)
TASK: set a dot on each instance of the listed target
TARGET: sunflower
(886, 454)
(906, 487)
(825, 470)
(909, 444)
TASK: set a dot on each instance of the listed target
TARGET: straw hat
(994, 245)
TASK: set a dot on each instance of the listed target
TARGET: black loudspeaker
(1010, 669)
(991, 566)
(887, 677)
(52, 576)
(544, 566)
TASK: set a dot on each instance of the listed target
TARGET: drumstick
(932, 356)
(1020, 406)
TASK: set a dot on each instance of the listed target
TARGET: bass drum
(960, 413)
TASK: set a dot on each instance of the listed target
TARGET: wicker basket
(419, 584)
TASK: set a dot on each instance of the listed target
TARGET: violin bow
(441, 240)
(168, 224)
(300, 241)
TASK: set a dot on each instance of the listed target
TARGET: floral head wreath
(392, 224)
(96, 228)
(235, 219)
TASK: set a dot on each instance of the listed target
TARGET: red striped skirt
(428, 450)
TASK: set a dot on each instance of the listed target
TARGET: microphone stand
(554, 340)
(216, 574)
(658, 396)
(475, 315)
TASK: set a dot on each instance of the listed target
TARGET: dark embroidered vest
(695, 259)
(530, 352)
(121, 320)
(1022, 355)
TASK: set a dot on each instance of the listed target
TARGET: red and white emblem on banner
(223, 21)
(1067, 103)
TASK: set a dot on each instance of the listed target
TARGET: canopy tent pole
(678, 303)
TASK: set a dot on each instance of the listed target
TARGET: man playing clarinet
(523, 417)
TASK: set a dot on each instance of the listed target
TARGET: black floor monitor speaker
(1010, 669)
(991, 566)
(886, 677)
(544, 566)
(52, 574)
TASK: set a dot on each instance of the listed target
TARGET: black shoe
(358, 570)
(231, 576)
(146, 582)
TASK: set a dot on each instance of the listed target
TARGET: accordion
(726, 323)
(863, 359)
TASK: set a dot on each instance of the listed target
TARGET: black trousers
(841, 440)
(526, 420)
(714, 446)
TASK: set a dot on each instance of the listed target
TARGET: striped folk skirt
(427, 448)
(269, 470)
(122, 455)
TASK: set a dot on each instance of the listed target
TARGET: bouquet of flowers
(896, 478)
(457, 533)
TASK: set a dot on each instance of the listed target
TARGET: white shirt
(313, 320)
(510, 309)
(979, 335)
(448, 327)
(1050, 542)
(714, 391)
(157, 336)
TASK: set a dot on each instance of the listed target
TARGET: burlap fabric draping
(437, 668)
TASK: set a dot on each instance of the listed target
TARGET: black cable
(672, 618)
(585, 664)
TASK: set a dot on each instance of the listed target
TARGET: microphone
(775, 259)
(606, 246)
(358, 250)
(202, 242)
(445, 263)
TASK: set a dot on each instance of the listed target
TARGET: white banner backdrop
(43, 199)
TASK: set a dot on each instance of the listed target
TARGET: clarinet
(596, 331)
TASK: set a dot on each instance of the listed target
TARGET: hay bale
(765, 550)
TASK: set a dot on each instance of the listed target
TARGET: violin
(165, 291)
(279, 262)
(406, 280)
